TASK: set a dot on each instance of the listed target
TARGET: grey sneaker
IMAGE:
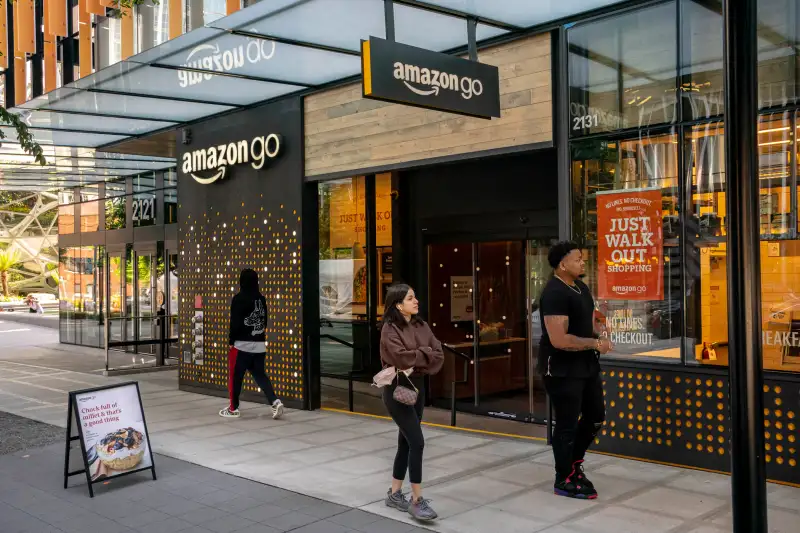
(397, 500)
(422, 510)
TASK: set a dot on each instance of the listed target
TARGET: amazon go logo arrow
(433, 80)
(218, 158)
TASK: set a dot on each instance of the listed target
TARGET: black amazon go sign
(408, 75)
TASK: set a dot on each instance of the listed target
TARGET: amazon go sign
(215, 160)
(395, 72)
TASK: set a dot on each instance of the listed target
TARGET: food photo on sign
(113, 431)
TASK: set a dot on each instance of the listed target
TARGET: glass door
(477, 307)
(483, 305)
(538, 273)
(145, 303)
(116, 297)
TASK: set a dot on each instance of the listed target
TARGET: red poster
(630, 245)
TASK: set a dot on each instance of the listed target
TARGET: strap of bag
(407, 379)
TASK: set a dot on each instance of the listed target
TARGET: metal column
(744, 269)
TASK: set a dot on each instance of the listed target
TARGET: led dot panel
(683, 418)
(214, 249)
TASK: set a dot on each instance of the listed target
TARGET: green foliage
(118, 7)
(115, 213)
(26, 140)
(8, 260)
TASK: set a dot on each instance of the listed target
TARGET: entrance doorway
(483, 300)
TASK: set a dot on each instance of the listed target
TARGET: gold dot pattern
(214, 249)
(685, 420)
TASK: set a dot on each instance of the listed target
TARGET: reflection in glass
(144, 200)
(66, 296)
(706, 279)
(109, 41)
(66, 219)
(90, 209)
(637, 327)
(775, 174)
(115, 205)
(342, 275)
(702, 78)
(80, 298)
(152, 24)
(622, 71)
(202, 12)
(777, 57)
(343, 278)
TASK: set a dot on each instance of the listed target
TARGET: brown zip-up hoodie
(411, 346)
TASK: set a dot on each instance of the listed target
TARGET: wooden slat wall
(84, 39)
(4, 48)
(175, 18)
(56, 12)
(345, 132)
(24, 34)
(20, 81)
(127, 32)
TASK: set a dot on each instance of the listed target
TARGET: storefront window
(90, 209)
(202, 12)
(144, 200)
(777, 57)
(701, 72)
(170, 206)
(115, 205)
(152, 24)
(622, 71)
(66, 219)
(706, 283)
(80, 293)
(66, 296)
(343, 266)
(626, 194)
(109, 41)
(775, 175)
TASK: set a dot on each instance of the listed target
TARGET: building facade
(332, 197)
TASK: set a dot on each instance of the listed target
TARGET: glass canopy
(270, 49)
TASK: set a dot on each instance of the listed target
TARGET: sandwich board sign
(111, 431)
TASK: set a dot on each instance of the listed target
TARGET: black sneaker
(397, 500)
(580, 477)
(573, 489)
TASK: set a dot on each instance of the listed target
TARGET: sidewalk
(185, 497)
(477, 483)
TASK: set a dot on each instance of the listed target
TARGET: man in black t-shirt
(569, 361)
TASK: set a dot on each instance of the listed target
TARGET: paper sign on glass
(630, 258)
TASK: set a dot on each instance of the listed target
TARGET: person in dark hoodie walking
(248, 349)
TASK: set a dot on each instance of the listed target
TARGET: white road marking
(14, 330)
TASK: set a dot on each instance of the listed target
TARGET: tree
(8, 259)
(26, 140)
(119, 7)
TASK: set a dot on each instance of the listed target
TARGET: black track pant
(239, 364)
(410, 441)
(579, 414)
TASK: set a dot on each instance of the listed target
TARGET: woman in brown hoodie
(407, 342)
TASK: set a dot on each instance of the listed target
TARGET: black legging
(410, 441)
(579, 414)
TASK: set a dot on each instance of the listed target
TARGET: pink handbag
(403, 394)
